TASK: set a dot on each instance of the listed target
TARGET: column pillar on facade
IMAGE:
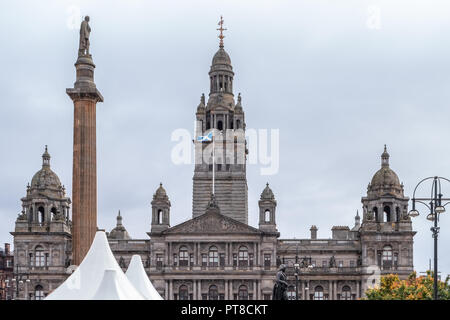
(335, 290)
(167, 290)
(254, 290)
(330, 289)
(194, 289)
(307, 290)
(226, 289)
(358, 292)
(170, 289)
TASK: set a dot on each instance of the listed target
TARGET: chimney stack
(313, 232)
(7, 249)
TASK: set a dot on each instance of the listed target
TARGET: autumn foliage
(414, 288)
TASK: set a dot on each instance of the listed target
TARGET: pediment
(214, 223)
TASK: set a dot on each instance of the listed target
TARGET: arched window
(346, 293)
(318, 293)
(243, 293)
(39, 257)
(387, 257)
(267, 215)
(53, 211)
(183, 292)
(387, 213)
(213, 257)
(375, 214)
(160, 214)
(220, 125)
(39, 293)
(184, 257)
(238, 124)
(41, 215)
(213, 293)
(243, 256)
(397, 214)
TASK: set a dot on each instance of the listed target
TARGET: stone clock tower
(226, 119)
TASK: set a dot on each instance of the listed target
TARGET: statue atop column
(85, 31)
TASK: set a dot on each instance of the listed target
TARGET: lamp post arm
(414, 193)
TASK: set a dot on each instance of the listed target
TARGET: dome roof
(385, 180)
(160, 194)
(221, 57)
(385, 176)
(267, 193)
(46, 178)
(119, 232)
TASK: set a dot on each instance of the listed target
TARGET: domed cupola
(267, 193)
(221, 73)
(201, 107)
(385, 181)
(119, 232)
(267, 207)
(45, 180)
(45, 202)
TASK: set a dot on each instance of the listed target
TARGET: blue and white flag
(205, 138)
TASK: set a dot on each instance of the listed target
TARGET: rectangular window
(191, 296)
(267, 262)
(8, 263)
(175, 259)
(191, 259)
(235, 260)
(159, 261)
(222, 259)
(251, 259)
(235, 296)
(204, 260)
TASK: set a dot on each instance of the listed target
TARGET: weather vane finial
(221, 29)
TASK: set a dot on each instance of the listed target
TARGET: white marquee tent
(98, 277)
(138, 277)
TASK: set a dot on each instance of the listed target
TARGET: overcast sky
(337, 82)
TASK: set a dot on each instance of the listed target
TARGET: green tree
(414, 288)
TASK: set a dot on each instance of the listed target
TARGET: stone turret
(160, 210)
(267, 210)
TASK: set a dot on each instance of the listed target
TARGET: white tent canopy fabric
(98, 277)
(138, 277)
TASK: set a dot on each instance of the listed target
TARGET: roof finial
(46, 158)
(221, 29)
(385, 158)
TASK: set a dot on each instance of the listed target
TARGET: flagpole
(214, 165)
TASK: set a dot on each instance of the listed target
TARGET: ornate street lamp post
(297, 270)
(436, 207)
(18, 281)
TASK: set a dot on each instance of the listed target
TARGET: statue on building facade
(332, 262)
(85, 31)
(281, 285)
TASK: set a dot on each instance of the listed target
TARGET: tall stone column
(85, 96)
